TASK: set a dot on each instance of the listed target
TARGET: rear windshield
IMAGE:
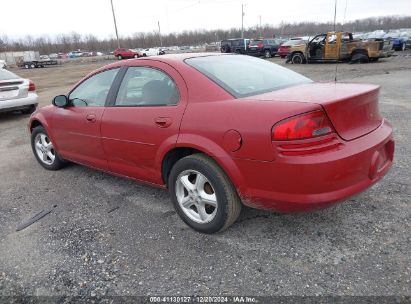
(244, 76)
(6, 75)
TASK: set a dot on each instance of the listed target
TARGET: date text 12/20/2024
(199, 299)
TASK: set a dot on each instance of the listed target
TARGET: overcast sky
(39, 17)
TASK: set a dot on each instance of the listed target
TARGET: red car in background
(220, 131)
(123, 53)
(285, 48)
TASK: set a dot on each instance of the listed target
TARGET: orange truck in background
(339, 46)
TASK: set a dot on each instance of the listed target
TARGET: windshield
(5, 75)
(244, 76)
(294, 42)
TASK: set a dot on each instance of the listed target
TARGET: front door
(76, 128)
(144, 118)
(316, 47)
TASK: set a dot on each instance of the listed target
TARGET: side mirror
(60, 101)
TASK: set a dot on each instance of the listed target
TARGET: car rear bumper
(385, 53)
(302, 183)
(255, 52)
(18, 103)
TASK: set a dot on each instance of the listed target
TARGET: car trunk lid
(12, 89)
(352, 108)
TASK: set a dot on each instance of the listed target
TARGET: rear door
(76, 128)
(143, 120)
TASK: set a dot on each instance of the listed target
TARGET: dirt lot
(361, 247)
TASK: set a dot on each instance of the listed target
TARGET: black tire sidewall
(58, 162)
(217, 183)
(297, 56)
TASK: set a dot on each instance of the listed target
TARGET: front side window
(93, 91)
(143, 86)
(244, 76)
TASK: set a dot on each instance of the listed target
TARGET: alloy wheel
(44, 149)
(196, 196)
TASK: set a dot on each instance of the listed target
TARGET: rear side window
(143, 86)
(93, 91)
(244, 76)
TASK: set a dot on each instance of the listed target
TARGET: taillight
(302, 126)
(260, 45)
(32, 86)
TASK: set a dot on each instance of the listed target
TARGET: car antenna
(335, 18)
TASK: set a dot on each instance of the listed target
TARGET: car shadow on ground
(10, 116)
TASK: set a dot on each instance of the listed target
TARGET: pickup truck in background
(340, 46)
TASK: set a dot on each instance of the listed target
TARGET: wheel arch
(39, 120)
(359, 51)
(35, 123)
(199, 144)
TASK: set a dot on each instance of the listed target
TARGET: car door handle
(163, 122)
(91, 118)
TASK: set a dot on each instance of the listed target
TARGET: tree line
(66, 42)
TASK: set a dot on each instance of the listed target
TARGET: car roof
(171, 59)
(174, 60)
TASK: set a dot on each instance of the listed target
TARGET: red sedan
(123, 53)
(220, 131)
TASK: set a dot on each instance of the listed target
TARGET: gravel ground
(109, 236)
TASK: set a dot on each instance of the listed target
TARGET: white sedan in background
(152, 52)
(17, 93)
(3, 64)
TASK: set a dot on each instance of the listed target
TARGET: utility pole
(159, 33)
(115, 23)
(242, 21)
(260, 28)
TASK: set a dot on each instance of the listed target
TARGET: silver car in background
(17, 93)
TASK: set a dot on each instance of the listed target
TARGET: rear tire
(44, 151)
(359, 58)
(135, 56)
(119, 57)
(267, 54)
(203, 195)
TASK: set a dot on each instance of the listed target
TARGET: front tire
(44, 151)
(267, 54)
(203, 195)
(119, 57)
(297, 58)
